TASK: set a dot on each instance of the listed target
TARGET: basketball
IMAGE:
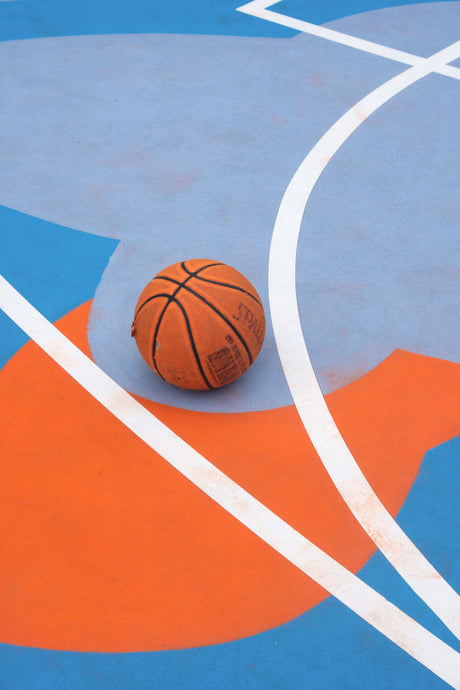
(199, 324)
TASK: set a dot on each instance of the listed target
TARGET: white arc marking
(307, 395)
(397, 626)
(258, 8)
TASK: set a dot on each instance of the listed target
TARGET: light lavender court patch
(182, 146)
(405, 28)
(394, 267)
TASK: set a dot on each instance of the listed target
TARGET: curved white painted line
(397, 626)
(310, 403)
(258, 8)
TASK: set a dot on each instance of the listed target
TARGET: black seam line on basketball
(191, 275)
(149, 299)
(217, 282)
(165, 294)
(192, 342)
(171, 298)
(160, 319)
(228, 285)
(218, 312)
(164, 309)
(203, 268)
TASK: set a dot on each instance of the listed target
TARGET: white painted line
(307, 395)
(258, 8)
(409, 635)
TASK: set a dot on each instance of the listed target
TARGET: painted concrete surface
(145, 139)
(326, 647)
(121, 151)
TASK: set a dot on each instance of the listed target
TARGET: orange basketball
(199, 324)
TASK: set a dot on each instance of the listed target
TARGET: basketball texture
(199, 324)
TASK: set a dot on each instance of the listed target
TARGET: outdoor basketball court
(295, 529)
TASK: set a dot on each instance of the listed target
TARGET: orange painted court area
(105, 547)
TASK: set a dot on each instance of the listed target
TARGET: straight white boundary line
(258, 8)
(397, 626)
(371, 606)
(305, 390)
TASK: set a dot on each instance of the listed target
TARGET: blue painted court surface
(134, 135)
(326, 647)
(184, 164)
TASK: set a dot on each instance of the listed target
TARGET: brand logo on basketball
(247, 317)
(208, 336)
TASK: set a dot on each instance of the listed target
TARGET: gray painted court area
(182, 147)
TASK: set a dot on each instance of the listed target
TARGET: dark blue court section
(39, 18)
(328, 647)
(55, 268)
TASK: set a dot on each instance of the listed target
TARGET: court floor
(299, 527)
